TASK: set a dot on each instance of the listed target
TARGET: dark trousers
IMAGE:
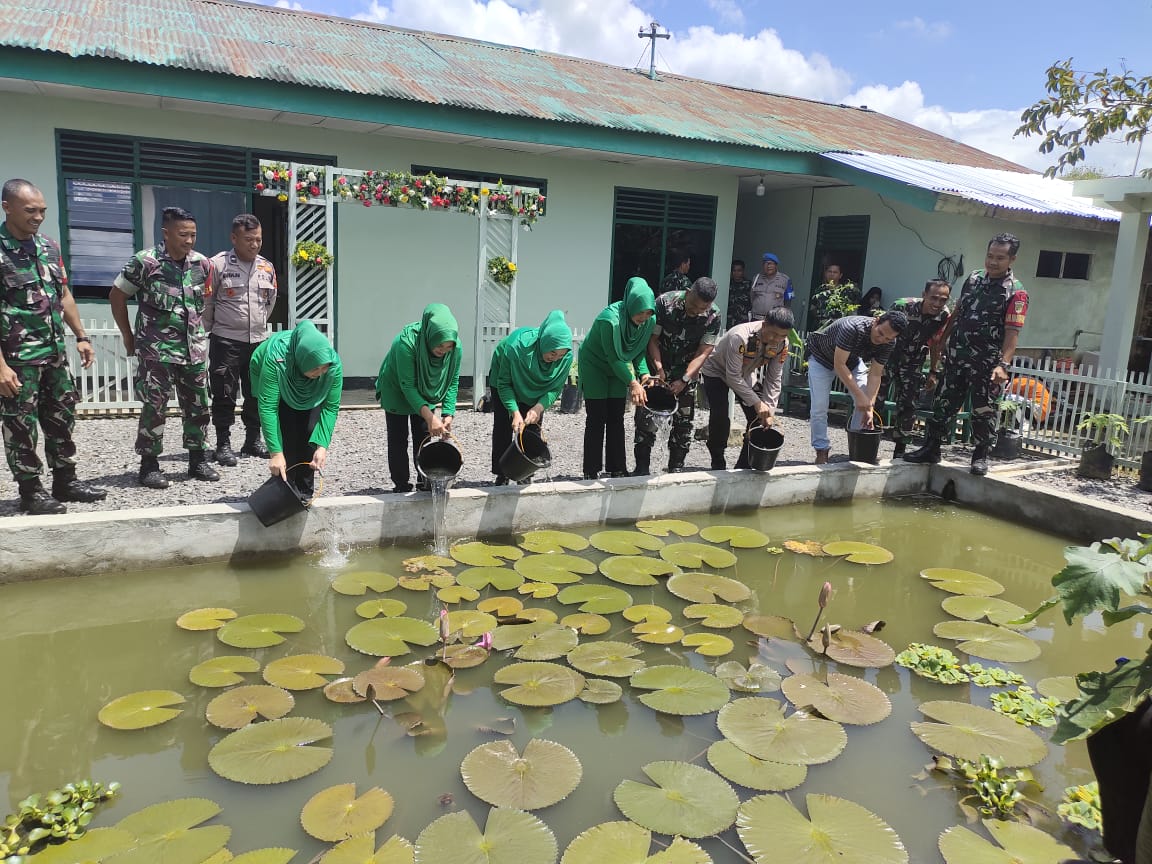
(398, 426)
(604, 436)
(47, 395)
(907, 383)
(720, 424)
(963, 377)
(680, 436)
(502, 429)
(296, 427)
(228, 377)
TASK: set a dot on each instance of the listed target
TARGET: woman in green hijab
(420, 373)
(613, 365)
(297, 378)
(529, 368)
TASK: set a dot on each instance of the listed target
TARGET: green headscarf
(437, 325)
(308, 348)
(526, 347)
(627, 336)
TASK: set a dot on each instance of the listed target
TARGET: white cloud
(926, 29)
(285, 4)
(728, 11)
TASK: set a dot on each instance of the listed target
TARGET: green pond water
(67, 647)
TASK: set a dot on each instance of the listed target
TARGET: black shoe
(199, 467)
(500, 480)
(929, 453)
(150, 473)
(595, 476)
(718, 466)
(617, 473)
(35, 500)
(640, 471)
(676, 469)
(68, 488)
(979, 461)
(402, 488)
(254, 446)
(899, 448)
(224, 454)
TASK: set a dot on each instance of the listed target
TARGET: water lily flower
(486, 642)
(825, 594)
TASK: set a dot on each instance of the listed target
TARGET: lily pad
(457, 594)
(539, 684)
(687, 800)
(470, 623)
(205, 619)
(358, 850)
(997, 611)
(708, 644)
(708, 588)
(1061, 687)
(858, 553)
(836, 830)
(168, 832)
(387, 683)
(271, 855)
(962, 582)
(555, 640)
(501, 607)
(342, 692)
(988, 641)
(236, 708)
(509, 837)
(385, 607)
(390, 637)
(335, 813)
(732, 763)
(599, 691)
(771, 627)
(545, 774)
(736, 537)
(969, 732)
(557, 568)
(1018, 844)
(664, 527)
(424, 581)
(757, 678)
(223, 671)
(588, 623)
(463, 656)
(649, 613)
(552, 541)
(141, 710)
(696, 555)
(508, 636)
(813, 548)
(302, 671)
(258, 631)
(758, 727)
(273, 752)
(359, 583)
(842, 698)
(854, 648)
(611, 659)
(680, 690)
(715, 615)
(95, 846)
(500, 578)
(538, 590)
(635, 569)
(479, 554)
(601, 599)
(428, 562)
(538, 614)
(628, 843)
(625, 542)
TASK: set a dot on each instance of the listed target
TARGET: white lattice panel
(310, 288)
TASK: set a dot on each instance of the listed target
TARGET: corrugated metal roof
(305, 49)
(1011, 190)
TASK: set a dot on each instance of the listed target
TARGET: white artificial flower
(268, 174)
(311, 176)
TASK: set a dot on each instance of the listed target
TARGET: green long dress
(411, 376)
(612, 356)
(519, 373)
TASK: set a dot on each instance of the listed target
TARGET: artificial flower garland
(312, 255)
(501, 270)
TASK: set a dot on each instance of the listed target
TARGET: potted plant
(1145, 480)
(1008, 438)
(1107, 434)
(571, 398)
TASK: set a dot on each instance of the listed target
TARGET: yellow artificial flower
(484, 191)
(511, 266)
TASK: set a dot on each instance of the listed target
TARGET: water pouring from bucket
(527, 454)
(278, 499)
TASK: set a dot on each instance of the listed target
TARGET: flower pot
(1096, 462)
(1145, 481)
(571, 399)
(1008, 444)
(1119, 755)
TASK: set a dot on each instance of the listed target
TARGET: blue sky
(965, 70)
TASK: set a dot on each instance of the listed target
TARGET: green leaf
(470, 623)
(757, 726)
(552, 541)
(598, 691)
(357, 584)
(601, 599)
(858, 553)
(358, 850)
(457, 594)
(708, 588)
(384, 607)
(687, 800)
(988, 641)
(628, 843)
(390, 637)
(961, 582)
(500, 578)
(539, 684)
(479, 554)
(854, 648)
(1018, 844)
(635, 569)
(1060, 687)
(335, 813)
(843, 698)
(556, 568)
(166, 833)
(771, 627)
(545, 774)
(389, 683)
(510, 837)
(969, 732)
(273, 752)
(141, 710)
(258, 631)
(1094, 578)
(588, 623)
(236, 708)
(302, 671)
(736, 537)
(608, 658)
(95, 846)
(664, 527)
(223, 671)
(734, 764)
(1106, 696)
(625, 542)
(680, 690)
(715, 615)
(837, 831)
(757, 678)
(272, 855)
(708, 644)
(555, 640)
(696, 555)
(205, 619)
(997, 611)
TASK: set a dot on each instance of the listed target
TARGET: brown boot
(821, 457)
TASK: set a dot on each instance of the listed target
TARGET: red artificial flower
(315, 190)
(403, 190)
(540, 197)
(343, 181)
(460, 190)
(367, 203)
(419, 184)
(319, 260)
(299, 186)
(275, 175)
(259, 187)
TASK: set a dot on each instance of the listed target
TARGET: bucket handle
(520, 437)
(876, 414)
(315, 492)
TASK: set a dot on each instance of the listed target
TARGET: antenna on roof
(653, 33)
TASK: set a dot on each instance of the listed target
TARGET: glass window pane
(100, 235)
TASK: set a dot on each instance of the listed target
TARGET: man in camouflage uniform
(35, 383)
(677, 278)
(236, 317)
(981, 337)
(687, 329)
(171, 282)
(739, 296)
(926, 316)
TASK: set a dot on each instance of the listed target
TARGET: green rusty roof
(263, 43)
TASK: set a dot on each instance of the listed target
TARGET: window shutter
(97, 155)
(842, 232)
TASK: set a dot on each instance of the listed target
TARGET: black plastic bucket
(661, 400)
(277, 500)
(1145, 481)
(1008, 445)
(1096, 462)
(438, 459)
(864, 445)
(764, 443)
(526, 455)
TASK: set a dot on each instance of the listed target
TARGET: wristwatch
(686, 379)
(87, 339)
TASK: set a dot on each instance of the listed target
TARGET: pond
(69, 647)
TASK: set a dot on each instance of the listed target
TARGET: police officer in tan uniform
(236, 317)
